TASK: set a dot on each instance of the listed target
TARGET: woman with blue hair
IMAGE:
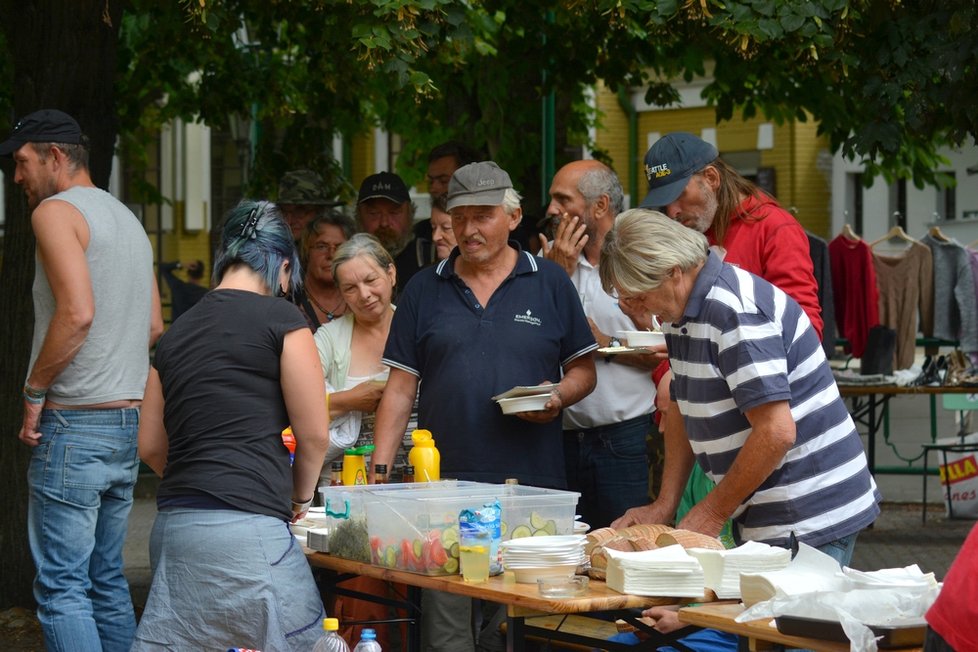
(228, 377)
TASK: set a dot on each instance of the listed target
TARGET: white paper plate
(545, 543)
(643, 338)
(523, 403)
(537, 563)
(525, 390)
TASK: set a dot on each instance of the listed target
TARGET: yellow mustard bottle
(355, 465)
(424, 457)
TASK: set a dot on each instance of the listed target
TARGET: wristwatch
(612, 342)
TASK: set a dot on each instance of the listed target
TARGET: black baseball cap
(669, 164)
(44, 126)
(384, 185)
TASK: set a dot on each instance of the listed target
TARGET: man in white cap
(487, 318)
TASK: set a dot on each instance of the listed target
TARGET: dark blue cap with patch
(669, 164)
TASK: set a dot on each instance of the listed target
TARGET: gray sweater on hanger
(955, 300)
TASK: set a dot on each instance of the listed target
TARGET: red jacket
(770, 243)
(954, 613)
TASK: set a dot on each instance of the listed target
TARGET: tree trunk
(64, 57)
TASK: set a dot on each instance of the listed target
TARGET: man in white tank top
(97, 312)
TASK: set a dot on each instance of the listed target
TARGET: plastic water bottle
(368, 641)
(331, 641)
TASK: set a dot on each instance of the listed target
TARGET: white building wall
(924, 205)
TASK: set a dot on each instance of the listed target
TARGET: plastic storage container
(331, 641)
(346, 517)
(418, 530)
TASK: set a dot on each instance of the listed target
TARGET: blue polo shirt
(464, 354)
(742, 343)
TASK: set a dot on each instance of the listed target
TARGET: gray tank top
(113, 362)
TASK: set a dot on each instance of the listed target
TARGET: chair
(964, 404)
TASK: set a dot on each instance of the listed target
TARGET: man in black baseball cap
(385, 210)
(76, 361)
(44, 126)
(57, 154)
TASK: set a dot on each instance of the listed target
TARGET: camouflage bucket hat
(303, 187)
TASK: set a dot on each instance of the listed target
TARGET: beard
(392, 241)
(702, 219)
(38, 192)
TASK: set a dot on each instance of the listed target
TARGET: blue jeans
(81, 478)
(841, 549)
(609, 465)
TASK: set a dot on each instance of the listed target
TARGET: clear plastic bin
(346, 516)
(418, 530)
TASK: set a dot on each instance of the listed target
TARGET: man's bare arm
(393, 414)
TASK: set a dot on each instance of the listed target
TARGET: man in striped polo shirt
(761, 410)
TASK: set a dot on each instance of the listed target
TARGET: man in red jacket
(690, 183)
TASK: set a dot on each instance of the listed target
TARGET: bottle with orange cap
(424, 457)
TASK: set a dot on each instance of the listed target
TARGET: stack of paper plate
(532, 558)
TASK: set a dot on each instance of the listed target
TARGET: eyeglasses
(630, 299)
(325, 247)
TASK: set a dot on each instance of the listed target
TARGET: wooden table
(869, 404)
(757, 632)
(521, 600)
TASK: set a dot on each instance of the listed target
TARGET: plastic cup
(473, 555)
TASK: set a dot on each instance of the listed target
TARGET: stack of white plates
(532, 558)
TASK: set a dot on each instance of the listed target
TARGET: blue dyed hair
(254, 234)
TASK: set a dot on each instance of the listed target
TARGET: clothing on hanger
(849, 234)
(819, 251)
(955, 299)
(854, 291)
(906, 297)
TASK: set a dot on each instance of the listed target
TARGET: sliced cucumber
(522, 531)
